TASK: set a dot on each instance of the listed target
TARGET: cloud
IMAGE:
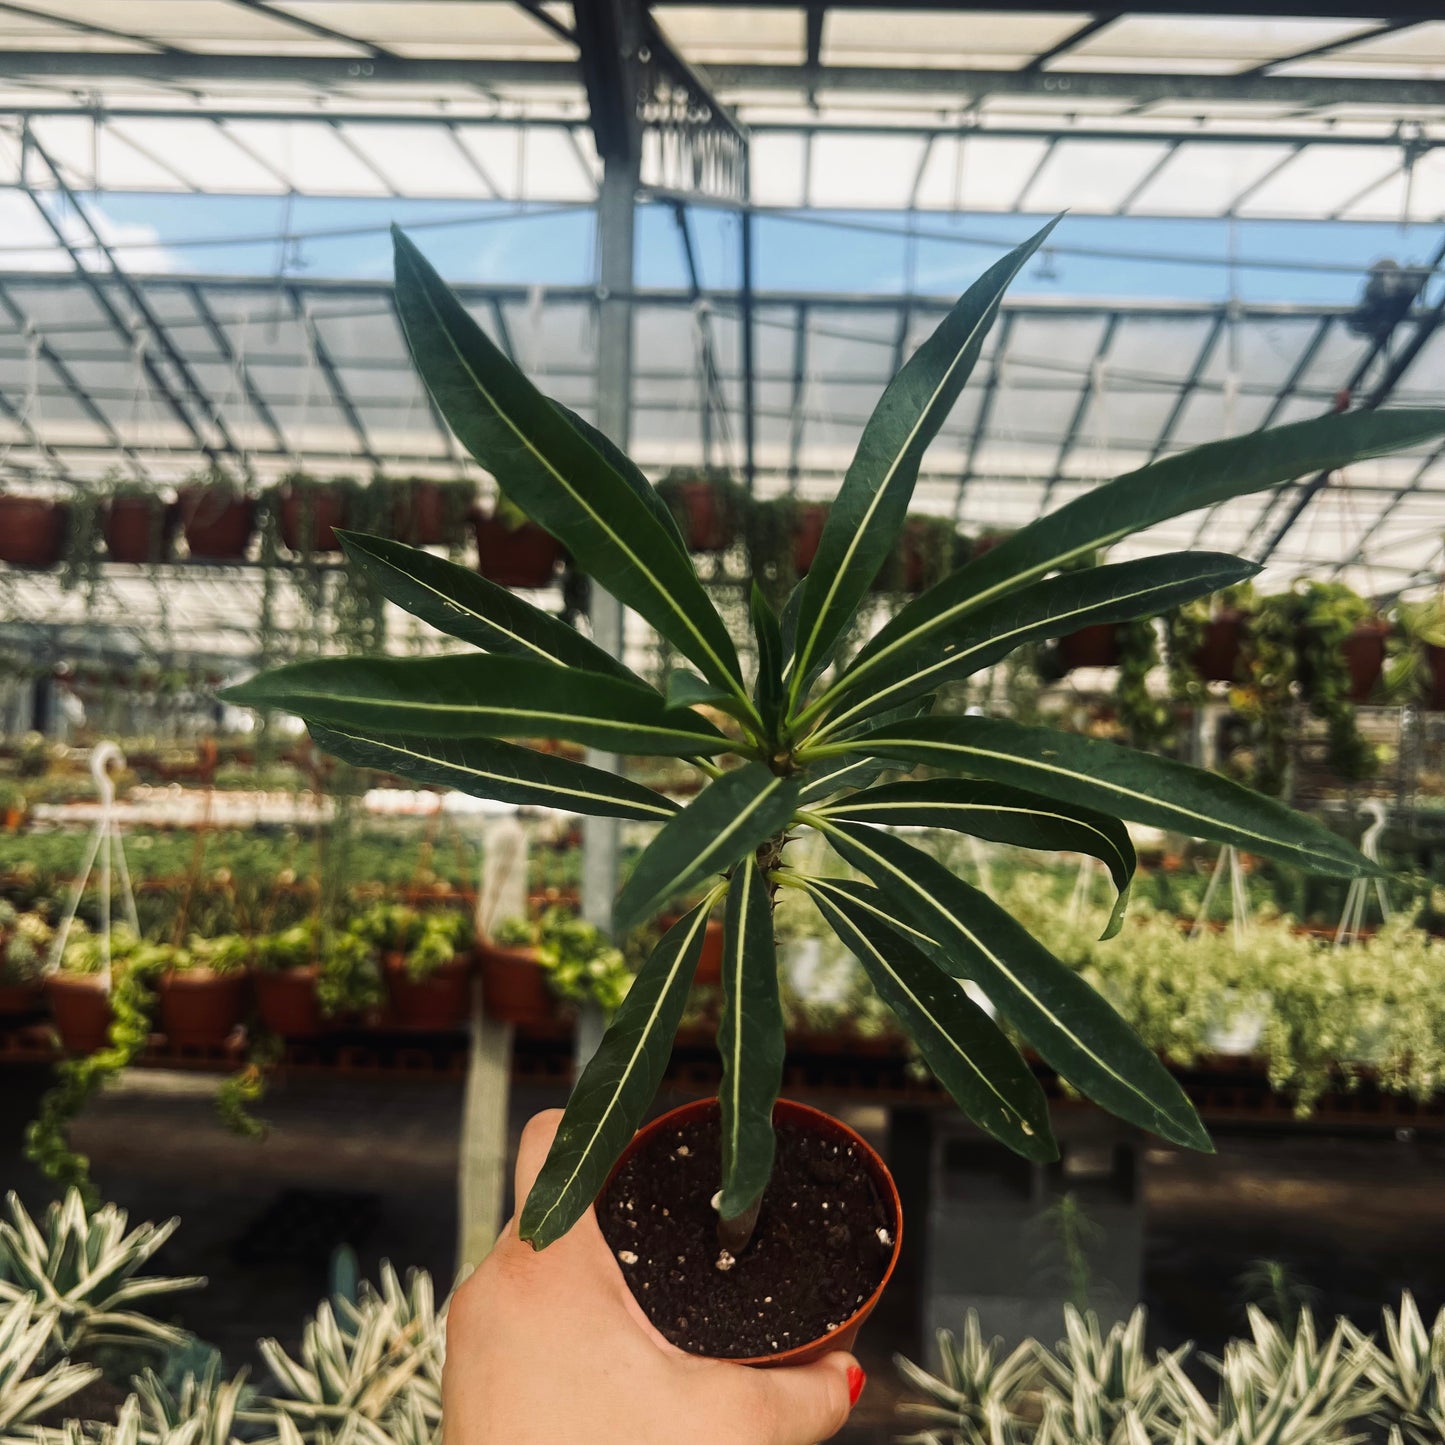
(30, 244)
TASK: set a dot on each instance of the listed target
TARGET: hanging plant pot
(514, 985)
(923, 555)
(426, 513)
(217, 523)
(18, 1000)
(706, 509)
(200, 1009)
(826, 1242)
(139, 530)
(1364, 651)
(442, 1000)
(710, 960)
(521, 556)
(309, 516)
(287, 1004)
(1094, 646)
(808, 523)
(80, 1010)
(1435, 658)
(32, 531)
(1217, 657)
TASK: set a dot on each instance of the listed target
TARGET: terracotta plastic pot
(1364, 652)
(709, 963)
(1094, 646)
(817, 1122)
(420, 516)
(287, 1004)
(309, 517)
(1435, 656)
(18, 999)
(525, 556)
(808, 522)
(441, 1001)
(200, 1009)
(514, 985)
(217, 524)
(707, 522)
(80, 1010)
(139, 529)
(1217, 657)
(32, 531)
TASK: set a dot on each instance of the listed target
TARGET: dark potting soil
(822, 1243)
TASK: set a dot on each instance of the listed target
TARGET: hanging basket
(522, 556)
(139, 530)
(32, 531)
(1094, 646)
(200, 1009)
(808, 524)
(217, 523)
(1217, 657)
(80, 1010)
(309, 517)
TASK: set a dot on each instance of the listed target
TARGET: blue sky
(551, 247)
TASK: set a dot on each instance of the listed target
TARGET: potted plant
(431, 512)
(201, 989)
(782, 540)
(78, 992)
(309, 510)
(513, 551)
(217, 515)
(426, 962)
(1418, 666)
(285, 972)
(138, 524)
(708, 507)
(13, 806)
(24, 940)
(806, 751)
(926, 552)
(529, 967)
(32, 531)
(514, 983)
(1341, 652)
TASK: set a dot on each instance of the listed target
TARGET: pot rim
(872, 1161)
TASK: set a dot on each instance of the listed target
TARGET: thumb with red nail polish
(856, 1380)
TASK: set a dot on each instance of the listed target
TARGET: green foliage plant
(581, 963)
(806, 739)
(427, 940)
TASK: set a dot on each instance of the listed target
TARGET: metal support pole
(745, 307)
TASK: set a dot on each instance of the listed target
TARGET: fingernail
(856, 1380)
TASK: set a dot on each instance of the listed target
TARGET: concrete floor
(373, 1164)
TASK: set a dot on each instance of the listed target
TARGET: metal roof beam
(314, 27)
(237, 362)
(985, 407)
(1086, 395)
(607, 37)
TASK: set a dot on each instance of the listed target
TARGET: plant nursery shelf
(874, 1070)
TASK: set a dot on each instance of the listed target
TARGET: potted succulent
(201, 989)
(24, 940)
(708, 507)
(32, 531)
(426, 962)
(310, 510)
(513, 551)
(806, 751)
(431, 512)
(217, 515)
(138, 524)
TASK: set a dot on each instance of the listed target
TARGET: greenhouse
(723, 721)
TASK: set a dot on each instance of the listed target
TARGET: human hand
(550, 1348)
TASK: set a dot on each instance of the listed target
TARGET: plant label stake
(105, 841)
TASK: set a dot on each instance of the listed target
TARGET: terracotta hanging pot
(80, 1010)
(1364, 651)
(287, 1004)
(514, 985)
(706, 518)
(522, 556)
(442, 1000)
(217, 523)
(309, 516)
(421, 517)
(826, 1243)
(200, 1009)
(808, 522)
(1435, 658)
(1096, 645)
(1217, 657)
(139, 530)
(32, 531)
(17, 1000)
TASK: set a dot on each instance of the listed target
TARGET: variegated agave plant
(84, 1271)
(810, 735)
(1408, 1369)
(32, 1381)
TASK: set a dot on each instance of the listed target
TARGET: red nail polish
(856, 1380)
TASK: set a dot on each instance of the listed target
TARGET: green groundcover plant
(810, 736)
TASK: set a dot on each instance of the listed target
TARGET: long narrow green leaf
(1118, 592)
(966, 1050)
(750, 1040)
(618, 1084)
(1121, 782)
(554, 472)
(463, 604)
(481, 696)
(486, 768)
(726, 822)
(1002, 815)
(848, 771)
(1071, 1026)
(1139, 499)
(867, 516)
(768, 691)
